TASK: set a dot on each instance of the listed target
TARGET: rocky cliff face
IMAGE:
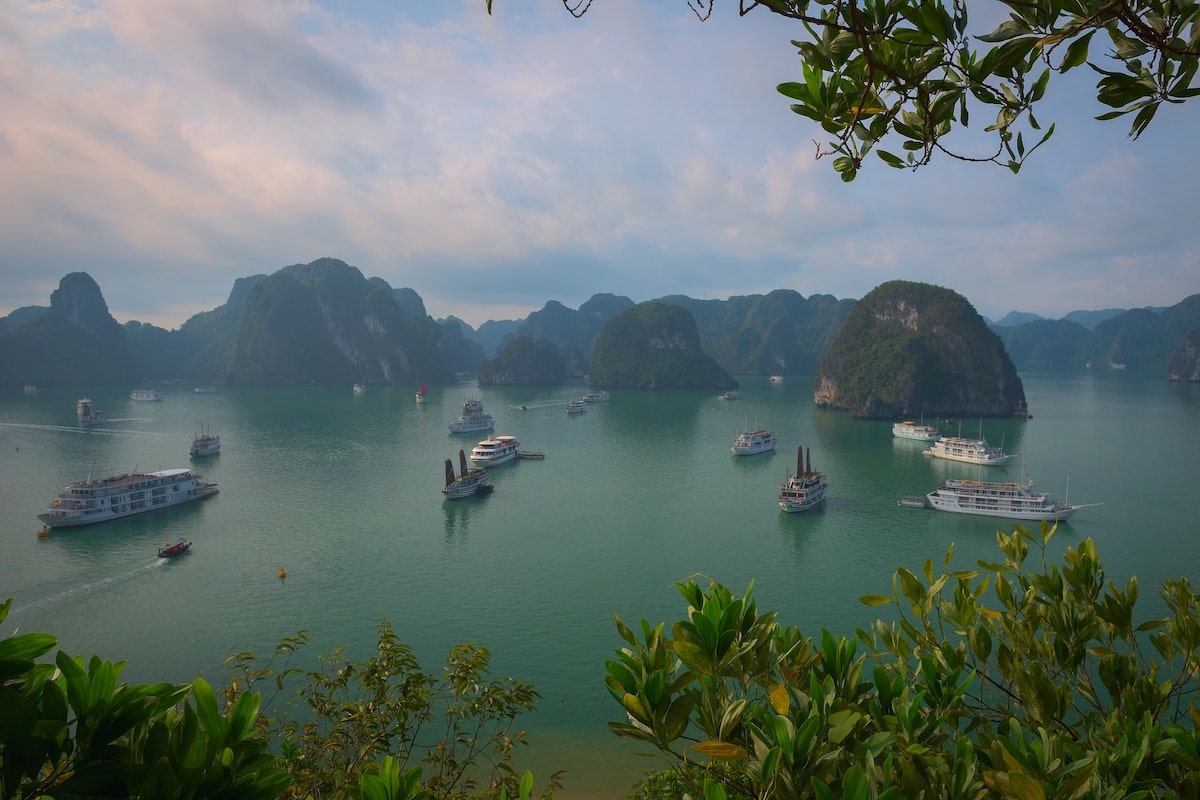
(525, 362)
(1185, 361)
(325, 323)
(654, 346)
(908, 349)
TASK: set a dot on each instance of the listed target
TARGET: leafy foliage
(1017, 679)
(336, 725)
(70, 730)
(907, 73)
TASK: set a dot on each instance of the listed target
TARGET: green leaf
(875, 599)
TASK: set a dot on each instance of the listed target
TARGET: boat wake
(88, 588)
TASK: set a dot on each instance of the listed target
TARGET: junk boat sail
(805, 489)
(421, 395)
(467, 483)
(1010, 500)
(99, 500)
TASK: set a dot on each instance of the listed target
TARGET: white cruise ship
(144, 394)
(88, 416)
(1009, 500)
(749, 443)
(805, 489)
(495, 450)
(911, 430)
(971, 451)
(576, 406)
(595, 397)
(99, 500)
(473, 418)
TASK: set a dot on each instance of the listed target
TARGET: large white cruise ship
(748, 443)
(1009, 499)
(495, 450)
(101, 499)
(473, 418)
(972, 451)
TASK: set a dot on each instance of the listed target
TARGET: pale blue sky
(494, 163)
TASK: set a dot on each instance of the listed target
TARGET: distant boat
(595, 397)
(1115, 365)
(776, 379)
(971, 451)
(911, 430)
(805, 489)
(576, 406)
(205, 444)
(30, 389)
(359, 388)
(748, 443)
(144, 394)
(421, 395)
(730, 395)
(473, 418)
(88, 416)
(207, 390)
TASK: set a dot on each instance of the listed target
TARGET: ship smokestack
(462, 463)
(808, 469)
(800, 460)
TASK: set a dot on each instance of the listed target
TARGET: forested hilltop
(326, 323)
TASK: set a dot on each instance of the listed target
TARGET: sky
(494, 163)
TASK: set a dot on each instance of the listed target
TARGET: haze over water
(638, 493)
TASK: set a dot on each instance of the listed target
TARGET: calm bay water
(342, 490)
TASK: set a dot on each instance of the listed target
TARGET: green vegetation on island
(525, 362)
(908, 349)
(654, 346)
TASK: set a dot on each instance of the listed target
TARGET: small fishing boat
(171, 550)
(421, 395)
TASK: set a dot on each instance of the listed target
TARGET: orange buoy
(282, 573)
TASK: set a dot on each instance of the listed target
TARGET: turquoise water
(342, 490)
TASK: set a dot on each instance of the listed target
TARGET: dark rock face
(908, 349)
(525, 362)
(1185, 361)
(654, 346)
(78, 301)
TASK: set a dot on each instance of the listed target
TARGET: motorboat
(748, 443)
(730, 395)
(495, 450)
(805, 489)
